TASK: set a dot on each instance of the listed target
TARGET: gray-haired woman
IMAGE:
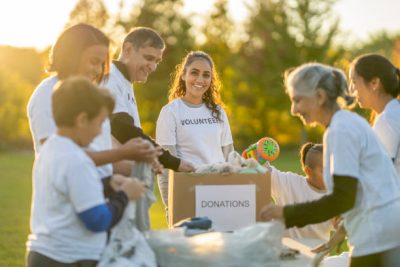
(361, 180)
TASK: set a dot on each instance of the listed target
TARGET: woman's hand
(335, 240)
(272, 212)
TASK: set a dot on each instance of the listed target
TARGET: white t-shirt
(387, 128)
(65, 182)
(290, 188)
(40, 114)
(198, 136)
(122, 90)
(42, 123)
(352, 149)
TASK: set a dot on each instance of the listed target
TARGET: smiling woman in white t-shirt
(194, 125)
(376, 83)
(362, 183)
(82, 50)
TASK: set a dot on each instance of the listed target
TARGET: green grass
(15, 198)
(288, 160)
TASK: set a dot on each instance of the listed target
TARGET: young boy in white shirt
(69, 214)
(291, 188)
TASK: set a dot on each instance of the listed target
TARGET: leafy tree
(93, 12)
(14, 95)
(314, 27)
(21, 71)
(281, 34)
(268, 50)
(219, 31)
(26, 62)
(380, 42)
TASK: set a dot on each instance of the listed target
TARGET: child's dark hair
(77, 95)
(143, 36)
(66, 53)
(305, 150)
(370, 66)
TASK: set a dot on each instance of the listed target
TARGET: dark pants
(35, 259)
(389, 258)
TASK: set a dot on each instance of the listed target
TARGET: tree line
(250, 58)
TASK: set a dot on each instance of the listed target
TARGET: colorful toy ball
(266, 149)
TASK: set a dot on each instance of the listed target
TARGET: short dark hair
(77, 95)
(304, 152)
(142, 36)
(66, 53)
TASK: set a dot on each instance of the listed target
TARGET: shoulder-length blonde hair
(211, 97)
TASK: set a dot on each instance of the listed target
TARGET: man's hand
(157, 167)
(185, 166)
(138, 149)
(272, 211)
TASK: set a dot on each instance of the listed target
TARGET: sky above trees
(37, 23)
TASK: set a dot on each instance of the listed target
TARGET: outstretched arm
(341, 200)
(123, 129)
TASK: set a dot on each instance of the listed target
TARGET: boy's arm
(104, 216)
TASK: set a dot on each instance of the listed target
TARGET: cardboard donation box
(231, 201)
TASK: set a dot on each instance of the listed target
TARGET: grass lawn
(15, 197)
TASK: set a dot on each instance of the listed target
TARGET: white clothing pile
(235, 164)
(258, 245)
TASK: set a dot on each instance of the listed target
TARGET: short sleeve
(166, 127)
(387, 135)
(226, 138)
(117, 92)
(343, 153)
(284, 183)
(276, 183)
(42, 121)
(40, 114)
(85, 189)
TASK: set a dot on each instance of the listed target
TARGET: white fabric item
(352, 149)
(65, 182)
(42, 123)
(387, 128)
(144, 173)
(342, 260)
(127, 246)
(198, 136)
(257, 245)
(290, 188)
(123, 92)
(103, 142)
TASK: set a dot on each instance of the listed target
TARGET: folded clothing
(195, 223)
